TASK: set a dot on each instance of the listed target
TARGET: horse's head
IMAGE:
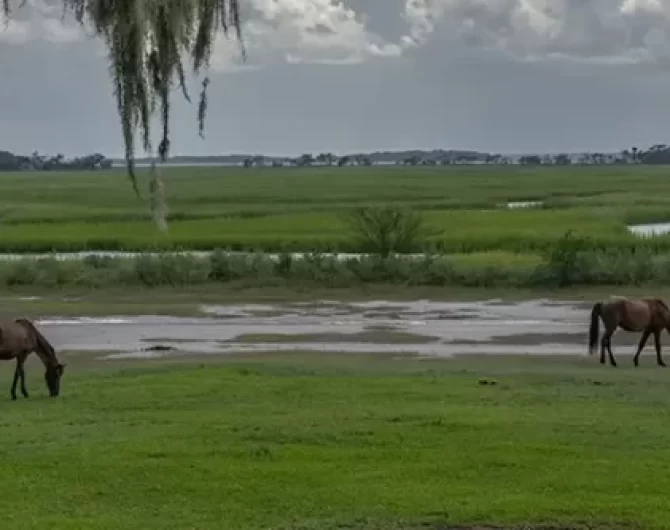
(53, 376)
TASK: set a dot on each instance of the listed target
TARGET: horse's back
(632, 314)
(14, 338)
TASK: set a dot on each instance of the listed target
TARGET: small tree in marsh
(384, 230)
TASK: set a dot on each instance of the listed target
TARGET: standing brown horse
(18, 339)
(648, 315)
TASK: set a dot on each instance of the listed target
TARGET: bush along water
(571, 264)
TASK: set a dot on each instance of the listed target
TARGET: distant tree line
(656, 154)
(306, 160)
(36, 162)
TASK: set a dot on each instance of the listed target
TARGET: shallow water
(67, 256)
(524, 204)
(422, 327)
(651, 229)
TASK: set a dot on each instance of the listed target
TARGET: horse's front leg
(20, 364)
(16, 379)
(608, 342)
(657, 342)
(640, 347)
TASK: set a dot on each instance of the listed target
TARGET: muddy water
(422, 327)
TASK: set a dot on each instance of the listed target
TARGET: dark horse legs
(640, 346)
(606, 343)
(643, 341)
(657, 342)
(19, 372)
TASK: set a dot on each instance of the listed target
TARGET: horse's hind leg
(603, 347)
(657, 343)
(19, 373)
(640, 347)
(607, 343)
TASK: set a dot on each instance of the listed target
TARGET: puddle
(524, 204)
(103, 254)
(421, 327)
(649, 230)
(368, 336)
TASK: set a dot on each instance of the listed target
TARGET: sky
(504, 76)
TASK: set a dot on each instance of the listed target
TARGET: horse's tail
(42, 342)
(596, 312)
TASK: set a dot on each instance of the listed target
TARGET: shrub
(384, 230)
(564, 265)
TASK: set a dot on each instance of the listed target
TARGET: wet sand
(538, 327)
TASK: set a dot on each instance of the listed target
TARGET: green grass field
(301, 209)
(317, 442)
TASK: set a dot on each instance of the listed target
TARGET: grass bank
(325, 442)
(571, 263)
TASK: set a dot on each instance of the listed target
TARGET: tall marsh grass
(304, 209)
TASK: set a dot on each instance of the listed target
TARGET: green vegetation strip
(319, 443)
(570, 263)
(301, 209)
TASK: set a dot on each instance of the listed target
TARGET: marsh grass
(302, 209)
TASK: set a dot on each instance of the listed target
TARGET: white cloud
(304, 31)
(330, 32)
(596, 31)
(39, 20)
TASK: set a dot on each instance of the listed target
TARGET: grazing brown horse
(648, 315)
(18, 339)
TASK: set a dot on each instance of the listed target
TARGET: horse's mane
(43, 343)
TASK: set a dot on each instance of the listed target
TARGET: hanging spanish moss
(157, 198)
(146, 42)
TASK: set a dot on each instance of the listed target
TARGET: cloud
(294, 31)
(39, 20)
(597, 31)
(304, 31)
(332, 32)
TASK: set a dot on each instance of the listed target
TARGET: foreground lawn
(319, 442)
